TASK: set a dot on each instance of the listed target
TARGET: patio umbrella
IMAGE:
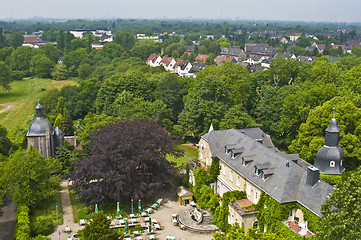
(139, 207)
(150, 225)
(126, 228)
(118, 215)
(96, 208)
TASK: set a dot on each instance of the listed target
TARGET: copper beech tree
(127, 159)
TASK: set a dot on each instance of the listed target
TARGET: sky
(284, 10)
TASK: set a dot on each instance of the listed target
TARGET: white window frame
(248, 189)
(238, 183)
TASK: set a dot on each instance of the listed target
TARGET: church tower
(329, 157)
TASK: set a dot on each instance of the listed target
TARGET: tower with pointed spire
(330, 156)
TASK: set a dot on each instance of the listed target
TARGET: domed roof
(39, 126)
(329, 160)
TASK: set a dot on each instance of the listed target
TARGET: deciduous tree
(127, 159)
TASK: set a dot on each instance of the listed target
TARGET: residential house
(33, 41)
(249, 47)
(249, 162)
(286, 55)
(351, 44)
(222, 59)
(195, 69)
(168, 63)
(184, 68)
(201, 58)
(306, 59)
(294, 36)
(237, 53)
(142, 36)
(154, 60)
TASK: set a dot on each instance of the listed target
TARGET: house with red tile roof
(33, 41)
(222, 59)
(168, 63)
(154, 60)
(201, 58)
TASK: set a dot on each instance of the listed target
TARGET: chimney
(313, 175)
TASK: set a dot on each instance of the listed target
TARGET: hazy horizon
(263, 10)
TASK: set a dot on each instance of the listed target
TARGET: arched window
(255, 224)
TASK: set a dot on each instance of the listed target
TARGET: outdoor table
(182, 227)
(170, 237)
(175, 221)
(128, 238)
(121, 222)
(120, 216)
(174, 215)
(82, 222)
(151, 237)
(139, 237)
(193, 204)
(154, 220)
(149, 210)
(159, 201)
(136, 233)
(67, 229)
(156, 225)
(132, 215)
(69, 238)
(155, 205)
(144, 214)
(134, 220)
(146, 219)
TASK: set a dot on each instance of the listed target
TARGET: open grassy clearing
(190, 152)
(23, 96)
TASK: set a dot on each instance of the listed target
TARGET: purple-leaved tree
(127, 159)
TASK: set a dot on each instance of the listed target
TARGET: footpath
(68, 218)
(8, 220)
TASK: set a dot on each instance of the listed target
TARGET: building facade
(249, 162)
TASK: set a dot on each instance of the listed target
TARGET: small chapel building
(45, 138)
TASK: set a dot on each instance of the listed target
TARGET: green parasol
(126, 228)
(139, 207)
(150, 225)
(118, 209)
(96, 208)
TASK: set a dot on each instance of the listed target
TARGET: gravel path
(8, 221)
(68, 219)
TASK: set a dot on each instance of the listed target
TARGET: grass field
(22, 99)
(190, 152)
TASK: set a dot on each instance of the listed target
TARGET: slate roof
(40, 124)
(197, 67)
(285, 180)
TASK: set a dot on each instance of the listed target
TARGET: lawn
(190, 152)
(23, 97)
(48, 208)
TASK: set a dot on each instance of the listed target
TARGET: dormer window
(332, 164)
(247, 160)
